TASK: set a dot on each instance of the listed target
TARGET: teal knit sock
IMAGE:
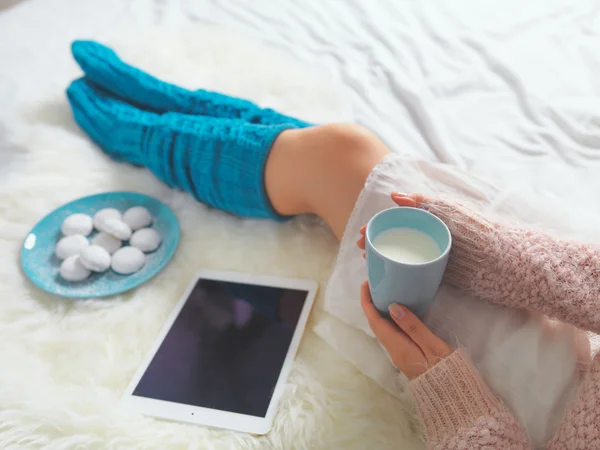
(219, 161)
(102, 66)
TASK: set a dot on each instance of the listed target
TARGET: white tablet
(224, 354)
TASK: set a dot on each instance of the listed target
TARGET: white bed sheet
(506, 91)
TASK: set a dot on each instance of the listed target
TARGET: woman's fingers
(404, 353)
(361, 243)
(408, 200)
(385, 331)
(431, 345)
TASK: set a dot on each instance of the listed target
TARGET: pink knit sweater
(520, 268)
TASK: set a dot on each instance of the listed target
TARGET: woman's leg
(321, 170)
(251, 170)
(103, 67)
(223, 150)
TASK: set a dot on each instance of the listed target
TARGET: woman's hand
(411, 345)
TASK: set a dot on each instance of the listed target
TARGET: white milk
(407, 245)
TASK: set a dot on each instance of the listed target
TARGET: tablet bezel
(211, 417)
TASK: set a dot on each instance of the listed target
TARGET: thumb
(430, 344)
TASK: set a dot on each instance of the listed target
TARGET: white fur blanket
(64, 364)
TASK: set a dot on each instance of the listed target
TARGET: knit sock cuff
(452, 396)
(259, 205)
(268, 116)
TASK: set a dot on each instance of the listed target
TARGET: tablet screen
(226, 347)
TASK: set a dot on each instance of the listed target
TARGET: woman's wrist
(475, 239)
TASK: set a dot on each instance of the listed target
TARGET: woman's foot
(103, 67)
(220, 162)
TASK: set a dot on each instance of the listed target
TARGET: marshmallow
(127, 260)
(137, 217)
(77, 224)
(71, 269)
(70, 245)
(146, 239)
(95, 258)
(109, 243)
(117, 228)
(103, 215)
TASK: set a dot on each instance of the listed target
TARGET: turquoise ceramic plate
(42, 267)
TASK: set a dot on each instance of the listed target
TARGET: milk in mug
(407, 245)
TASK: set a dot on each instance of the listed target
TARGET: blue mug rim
(421, 211)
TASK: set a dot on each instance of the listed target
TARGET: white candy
(127, 260)
(109, 243)
(146, 239)
(103, 215)
(77, 224)
(71, 269)
(117, 228)
(137, 217)
(95, 258)
(70, 245)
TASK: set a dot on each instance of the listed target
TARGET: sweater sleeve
(520, 267)
(458, 410)
(580, 428)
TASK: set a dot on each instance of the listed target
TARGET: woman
(255, 162)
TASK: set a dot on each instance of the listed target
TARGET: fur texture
(66, 363)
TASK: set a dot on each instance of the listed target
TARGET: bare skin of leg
(321, 170)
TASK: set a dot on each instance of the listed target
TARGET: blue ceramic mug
(412, 285)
